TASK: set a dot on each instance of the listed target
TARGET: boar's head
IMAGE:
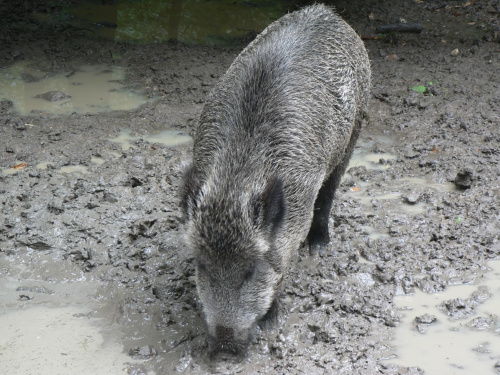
(232, 231)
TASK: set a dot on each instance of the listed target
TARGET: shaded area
(220, 22)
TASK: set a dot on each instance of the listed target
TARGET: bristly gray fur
(279, 125)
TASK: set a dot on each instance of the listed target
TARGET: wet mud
(93, 268)
(452, 332)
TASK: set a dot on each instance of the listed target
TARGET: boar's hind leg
(318, 237)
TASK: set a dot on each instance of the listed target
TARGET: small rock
(392, 56)
(480, 324)
(20, 126)
(313, 327)
(136, 370)
(279, 349)
(421, 328)
(54, 137)
(426, 319)
(6, 104)
(412, 198)
(56, 206)
(464, 178)
(455, 52)
(497, 366)
(481, 295)
(144, 352)
(325, 298)
(482, 349)
(53, 96)
(411, 154)
(365, 279)
(110, 198)
(458, 308)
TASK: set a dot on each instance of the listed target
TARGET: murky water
(14, 169)
(43, 340)
(44, 165)
(97, 160)
(74, 169)
(373, 233)
(166, 138)
(221, 22)
(169, 138)
(451, 346)
(370, 160)
(54, 328)
(362, 156)
(422, 183)
(90, 89)
(402, 194)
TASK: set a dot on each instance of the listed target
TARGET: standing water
(453, 332)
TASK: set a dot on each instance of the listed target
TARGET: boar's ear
(271, 205)
(189, 192)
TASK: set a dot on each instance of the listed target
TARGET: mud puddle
(125, 140)
(87, 89)
(59, 328)
(364, 156)
(165, 138)
(460, 333)
(405, 194)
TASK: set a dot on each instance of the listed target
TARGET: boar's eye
(250, 272)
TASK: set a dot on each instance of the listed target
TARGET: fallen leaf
(20, 166)
(355, 188)
(420, 89)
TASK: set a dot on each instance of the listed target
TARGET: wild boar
(272, 143)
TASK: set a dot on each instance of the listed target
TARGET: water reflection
(192, 21)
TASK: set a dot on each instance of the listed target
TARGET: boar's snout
(225, 346)
(224, 334)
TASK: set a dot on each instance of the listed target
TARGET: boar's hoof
(317, 246)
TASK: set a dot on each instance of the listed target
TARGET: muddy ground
(418, 209)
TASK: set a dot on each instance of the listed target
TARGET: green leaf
(420, 89)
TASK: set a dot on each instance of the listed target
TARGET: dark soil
(119, 225)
